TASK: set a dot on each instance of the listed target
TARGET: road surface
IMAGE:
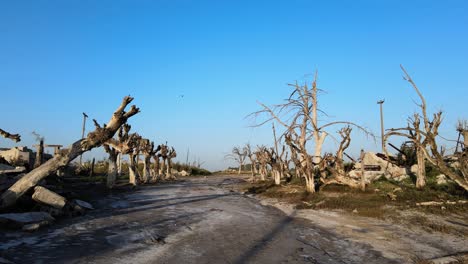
(199, 220)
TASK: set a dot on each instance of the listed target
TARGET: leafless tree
(263, 158)
(128, 144)
(62, 159)
(172, 154)
(238, 154)
(252, 158)
(299, 116)
(148, 151)
(163, 154)
(424, 137)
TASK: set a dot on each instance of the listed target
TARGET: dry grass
(374, 202)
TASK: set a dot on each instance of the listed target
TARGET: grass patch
(375, 202)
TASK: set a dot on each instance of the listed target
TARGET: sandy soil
(202, 220)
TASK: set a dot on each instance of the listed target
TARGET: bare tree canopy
(424, 137)
(299, 117)
(238, 154)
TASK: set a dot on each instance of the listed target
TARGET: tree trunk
(112, 171)
(421, 173)
(168, 170)
(318, 147)
(91, 171)
(163, 168)
(39, 154)
(277, 177)
(132, 171)
(363, 175)
(310, 184)
(156, 168)
(94, 139)
(119, 164)
(146, 168)
(263, 172)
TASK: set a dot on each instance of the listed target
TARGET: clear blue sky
(60, 58)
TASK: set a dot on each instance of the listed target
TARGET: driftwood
(434, 203)
(14, 137)
(94, 139)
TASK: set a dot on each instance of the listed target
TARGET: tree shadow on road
(265, 240)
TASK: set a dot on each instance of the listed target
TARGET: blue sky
(60, 58)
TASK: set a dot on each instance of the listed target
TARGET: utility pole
(382, 125)
(82, 134)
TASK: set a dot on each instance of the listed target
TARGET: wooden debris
(47, 197)
(434, 203)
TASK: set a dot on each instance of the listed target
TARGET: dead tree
(127, 144)
(425, 138)
(148, 151)
(163, 153)
(238, 154)
(262, 158)
(277, 164)
(332, 169)
(112, 169)
(93, 139)
(253, 161)
(156, 169)
(14, 137)
(170, 155)
(302, 109)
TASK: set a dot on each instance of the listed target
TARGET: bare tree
(170, 155)
(163, 153)
(252, 158)
(156, 170)
(112, 170)
(425, 138)
(93, 139)
(262, 157)
(148, 151)
(238, 154)
(14, 137)
(302, 110)
(127, 144)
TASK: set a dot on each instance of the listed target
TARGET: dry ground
(210, 220)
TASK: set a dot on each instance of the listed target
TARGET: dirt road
(195, 221)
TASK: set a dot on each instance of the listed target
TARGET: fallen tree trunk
(94, 139)
(47, 197)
